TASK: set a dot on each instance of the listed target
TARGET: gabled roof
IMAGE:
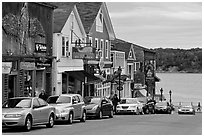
(121, 45)
(61, 14)
(125, 46)
(88, 12)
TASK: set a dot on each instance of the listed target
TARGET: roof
(121, 45)
(88, 12)
(125, 46)
(61, 14)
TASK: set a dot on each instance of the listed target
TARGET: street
(155, 124)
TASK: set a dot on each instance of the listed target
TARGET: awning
(156, 79)
(139, 93)
(80, 75)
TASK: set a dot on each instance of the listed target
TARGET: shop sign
(6, 67)
(27, 65)
(43, 64)
(40, 48)
(80, 53)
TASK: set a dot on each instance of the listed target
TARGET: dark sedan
(163, 107)
(98, 107)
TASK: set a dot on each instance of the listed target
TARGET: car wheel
(100, 115)
(83, 119)
(51, 121)
(153, 111)
(70, 118)
(147, 111)
(111, 114)
(28, 123)
(137, 111)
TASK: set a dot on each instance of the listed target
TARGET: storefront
(25, 76)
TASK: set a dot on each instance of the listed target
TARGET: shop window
(64, 83)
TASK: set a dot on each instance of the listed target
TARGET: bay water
(185, 87)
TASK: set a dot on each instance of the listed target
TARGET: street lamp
(85, 63)
(119, 74)
(170, 96)
(161, 90)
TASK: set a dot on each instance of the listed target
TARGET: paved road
(158, 124)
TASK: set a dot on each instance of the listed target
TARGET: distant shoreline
(178, 72)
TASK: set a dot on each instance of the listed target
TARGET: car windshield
(161, 104)
(59, 99)
(92, 100)
(186, 106)
(129, 101)
(18, 103)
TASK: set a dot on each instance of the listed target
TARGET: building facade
(99, 31)
(68, 66)
(26, 48)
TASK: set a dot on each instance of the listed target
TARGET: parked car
(98, 107)
(149, 107)
(129, 105)
(27, 112)
(186, 110)
(163, 107)
(68, 107)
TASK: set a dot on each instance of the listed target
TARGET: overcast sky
(156, 24)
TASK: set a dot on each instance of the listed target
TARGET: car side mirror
(75, 102)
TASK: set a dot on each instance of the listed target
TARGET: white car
(68, 107)
(129, 105)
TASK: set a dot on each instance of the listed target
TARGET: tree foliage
(179, 60)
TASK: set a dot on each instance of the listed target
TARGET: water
(185, 87)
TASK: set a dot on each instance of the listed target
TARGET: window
(130, 54)
(101, 49)
(90, 41)
(99, 22)
(72, 21)
(96, 44)
(106, 49)
(42, 102)
(65, 46)
(137, 66)
(35, 103)
(112, 55)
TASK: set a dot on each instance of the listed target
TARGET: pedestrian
(198, 109)
(115, 101)
(43, 95)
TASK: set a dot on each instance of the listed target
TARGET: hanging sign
(6, 67)
(40, 48)
(27, 65)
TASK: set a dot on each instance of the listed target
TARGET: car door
(45, 111)
(80, 105)
(76, 107)
(36, 111)
(104, 106)
(109, 106)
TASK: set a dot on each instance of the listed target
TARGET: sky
(158, 24)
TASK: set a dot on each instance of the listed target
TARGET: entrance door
(12, 86)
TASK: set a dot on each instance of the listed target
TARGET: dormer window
(99, 22)
(130, 54)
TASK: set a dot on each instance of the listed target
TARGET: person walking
(198, 109)
(115, 101)
(43, 95)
